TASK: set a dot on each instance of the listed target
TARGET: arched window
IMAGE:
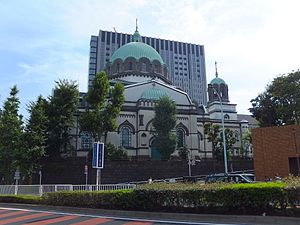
(86, 141)
(180, 138)
(130, 66)
(200, 139)
(118, 67)
(125, 137)
(143, 67)
(226, 117)
(237, 135)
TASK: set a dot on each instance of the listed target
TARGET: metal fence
(41, 189)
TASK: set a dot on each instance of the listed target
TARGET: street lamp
(296, 149)
(223, 132)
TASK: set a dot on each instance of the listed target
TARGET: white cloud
(253, 41)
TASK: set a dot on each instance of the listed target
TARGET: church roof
(217, 80)
(136, 50)
(153, 93)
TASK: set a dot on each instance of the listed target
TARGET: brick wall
(272, 148)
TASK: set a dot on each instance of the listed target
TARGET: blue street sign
(95, 155)
(98, 155)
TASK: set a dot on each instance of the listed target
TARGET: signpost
(86, 174)
(17, 178)
(98, 159)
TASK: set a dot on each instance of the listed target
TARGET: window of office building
(93, 49)
(128, 38)
(175, 47)
(123, 39)
(113, 37)
(197, 51)
(180, 48)
(167, 43)
(171, 45)
(118, 38)
(108, 38)
(102, 36)
(93, 44)
(162, 46)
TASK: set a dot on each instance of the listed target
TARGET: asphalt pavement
(72, 215)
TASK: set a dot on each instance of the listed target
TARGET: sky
(42, 41)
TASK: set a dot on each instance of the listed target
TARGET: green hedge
(243, 198)
(217, 198)
(28, 199)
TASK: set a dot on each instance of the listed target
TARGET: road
(40, 215)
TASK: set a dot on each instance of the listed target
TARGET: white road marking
(123, 218)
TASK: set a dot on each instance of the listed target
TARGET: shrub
(28, 199)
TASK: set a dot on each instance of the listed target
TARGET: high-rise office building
(185, 61)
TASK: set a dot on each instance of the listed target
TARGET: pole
(189, 163)
(98, 177)
(40, 182)
(223, 132)
(296, 149)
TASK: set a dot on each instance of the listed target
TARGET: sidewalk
(181, 217)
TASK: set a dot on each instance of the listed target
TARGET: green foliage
(255, 198)
(11, 131)
(105, 104)
(246, 144)
(279, 104)
(34, 138)
(119, 199)
(115, 153)
(214, 135)
(223, 198)
(164, 123)
(183, 152)
(60, 112)
(230, 141)
(213, 132)
(26, 199)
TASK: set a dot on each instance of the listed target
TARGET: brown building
(275, 151)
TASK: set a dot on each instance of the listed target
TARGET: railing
(41, 189)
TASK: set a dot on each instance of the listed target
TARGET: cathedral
(145, 77)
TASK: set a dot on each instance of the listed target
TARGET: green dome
(153, 94)
(217, 80)
(136, 50)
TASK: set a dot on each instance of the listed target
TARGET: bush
(120, 199)
(242, 198)
(27, 199)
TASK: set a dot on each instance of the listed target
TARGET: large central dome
(136, 50)
(137, 62)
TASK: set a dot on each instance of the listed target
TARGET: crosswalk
(30, 217)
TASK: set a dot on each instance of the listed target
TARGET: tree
(164, 124)
(104, 107)
(246, 144)
(279, 104)
(35, 137)
(60, 112)
(230, 141)
(10, 136)
(213, 135)
(115, 153)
